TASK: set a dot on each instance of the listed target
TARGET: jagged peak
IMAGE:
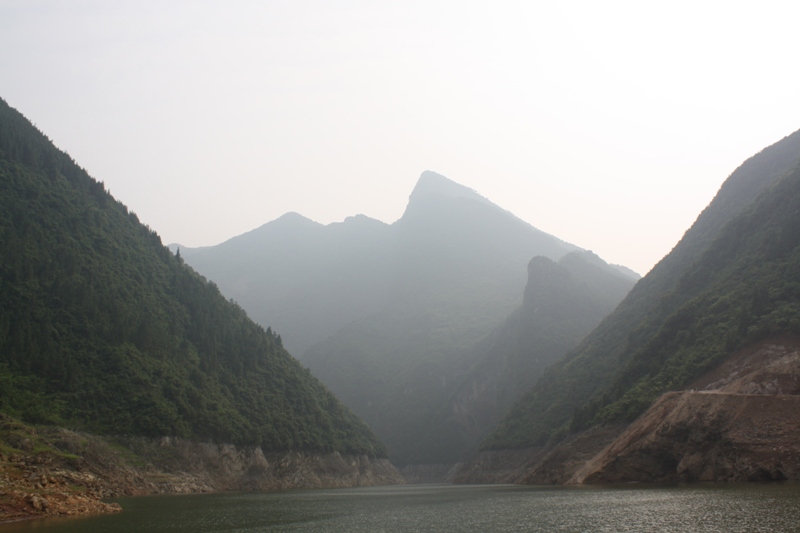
(293, 217)
(433, 184)
(545, 279)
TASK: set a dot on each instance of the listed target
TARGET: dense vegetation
(104, 329)
(732, 280)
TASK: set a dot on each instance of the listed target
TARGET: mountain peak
(294, 218)
(432, 184)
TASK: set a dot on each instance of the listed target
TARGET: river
(731, 508)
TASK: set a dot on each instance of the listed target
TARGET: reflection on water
(447, 508)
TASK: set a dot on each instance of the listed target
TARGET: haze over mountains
(455, 322)
(387, 314)
(727, 291)
(306, 280)
(563, 301)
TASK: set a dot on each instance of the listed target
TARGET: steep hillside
(562, 303)
(732, 280)
(52, 471)
(301, 278)
(458, 268)
(102, 328)
(740, 422)
(390, 313)
(309, 281)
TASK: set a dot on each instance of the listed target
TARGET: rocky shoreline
(740, 422)
(47, 471)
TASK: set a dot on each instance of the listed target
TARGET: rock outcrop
(56, 472)
(560, 464)
(550, 465)
(220, 467)
(739, 422)
(705, 436)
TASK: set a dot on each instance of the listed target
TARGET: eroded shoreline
(48, 471)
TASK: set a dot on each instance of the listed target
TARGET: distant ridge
(379, 310)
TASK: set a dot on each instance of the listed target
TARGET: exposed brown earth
(739, 422)
(705, 436)
(551, 465)
(56, 472)
(562, 462)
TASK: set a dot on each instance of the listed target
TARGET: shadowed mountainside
(731, 283)
(389, 313)
(562, 302)
(308, 281)
(731, 280)
(102, 328)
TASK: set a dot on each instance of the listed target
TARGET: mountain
(387, 314)
(731, 282)
(739, 422)
(308, 281)
(103, 329)
(563, 301)
(299, 277)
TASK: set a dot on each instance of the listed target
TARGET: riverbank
(48, 471)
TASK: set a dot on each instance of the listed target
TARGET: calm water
(447, 508)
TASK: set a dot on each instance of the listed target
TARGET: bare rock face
(559, 464)
(740, 422)
(705, 436)
(550, 465)
(194, 467)
(77, 471)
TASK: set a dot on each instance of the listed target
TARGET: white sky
(608, 124)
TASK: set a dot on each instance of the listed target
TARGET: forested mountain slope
(733, 279)
(102, 328)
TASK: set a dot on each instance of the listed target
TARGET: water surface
(747, 508)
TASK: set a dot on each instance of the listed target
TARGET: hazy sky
(608, 124)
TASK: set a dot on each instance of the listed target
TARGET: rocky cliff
(738, 422)
(562, 302)
(544, 465)
(56, 472)
(209, 466)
